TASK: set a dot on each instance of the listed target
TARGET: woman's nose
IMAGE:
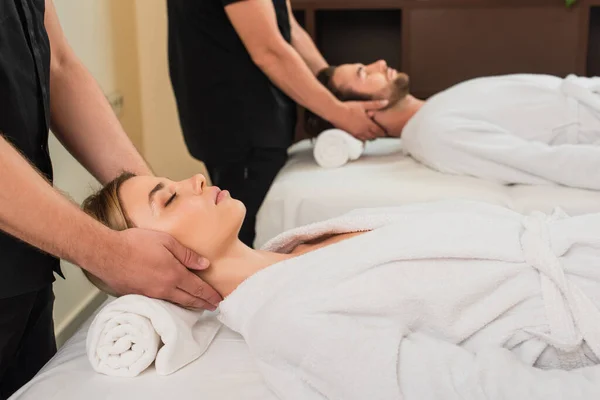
(198, 181)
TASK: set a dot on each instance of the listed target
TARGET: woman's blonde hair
(105, 206)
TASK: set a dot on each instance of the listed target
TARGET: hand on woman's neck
(235, 264)
(395, 118)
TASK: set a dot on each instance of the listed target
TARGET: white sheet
(225, 372)
(419, 307)
(304, 193)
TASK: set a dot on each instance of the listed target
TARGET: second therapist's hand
(156, 265)
(356, 120)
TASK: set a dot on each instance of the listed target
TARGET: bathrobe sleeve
(434, 369)
(485, 150)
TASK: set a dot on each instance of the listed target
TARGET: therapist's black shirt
(227, 105)
(24, 121)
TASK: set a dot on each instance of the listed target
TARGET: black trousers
(26, 338)
(249, 180)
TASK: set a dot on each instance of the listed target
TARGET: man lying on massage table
(446, 300)
(530, 129)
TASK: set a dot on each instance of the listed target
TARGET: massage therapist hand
(355, 120)
(154, 264)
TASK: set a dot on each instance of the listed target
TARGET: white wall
(164, 147)
(86, 24)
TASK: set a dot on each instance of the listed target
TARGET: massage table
(226, 371)
(302, 193)
(383, 176)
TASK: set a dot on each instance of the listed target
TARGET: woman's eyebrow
(153, 192)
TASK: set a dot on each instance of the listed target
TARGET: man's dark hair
(314, 124)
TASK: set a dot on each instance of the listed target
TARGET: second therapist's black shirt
(226, 104)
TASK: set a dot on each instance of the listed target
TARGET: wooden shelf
(448, 46)
(390, 4)
(359, 36)
(593, 50)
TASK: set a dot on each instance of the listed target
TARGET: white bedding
(417, 309)
(533, 129)
(304, 193)
(226, 371)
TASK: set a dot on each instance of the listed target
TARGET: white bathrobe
(446, 300)
(531, 129)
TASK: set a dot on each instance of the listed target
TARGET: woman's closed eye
(171, 199)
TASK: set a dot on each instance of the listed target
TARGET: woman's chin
(233, 207)
(242, 207)
(234, 202)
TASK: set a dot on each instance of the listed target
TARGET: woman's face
(200, 217)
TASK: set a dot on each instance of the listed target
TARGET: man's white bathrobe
(531, 129)
(445, 300)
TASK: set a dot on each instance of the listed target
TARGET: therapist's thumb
(375, 105)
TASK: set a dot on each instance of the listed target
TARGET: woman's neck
(236, 264)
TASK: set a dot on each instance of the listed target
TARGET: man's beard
(398, 90)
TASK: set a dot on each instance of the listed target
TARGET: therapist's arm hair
(81, 117)
(305, 46)
(33, 211)
(135, 261)
(256, 24)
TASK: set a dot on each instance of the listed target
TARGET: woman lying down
(446, 300)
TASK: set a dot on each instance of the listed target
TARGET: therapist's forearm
(284, 66)
(33, 211)
(84, 122)
(307, 49)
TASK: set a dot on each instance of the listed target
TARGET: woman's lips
(221, 195)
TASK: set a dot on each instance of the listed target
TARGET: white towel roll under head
(334, 148)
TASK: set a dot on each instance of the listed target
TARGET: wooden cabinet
(442, 42)
(368, 35)
(449, 45)
(592, 54)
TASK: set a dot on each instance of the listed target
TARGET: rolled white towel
(334, 148)
(132, 332)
